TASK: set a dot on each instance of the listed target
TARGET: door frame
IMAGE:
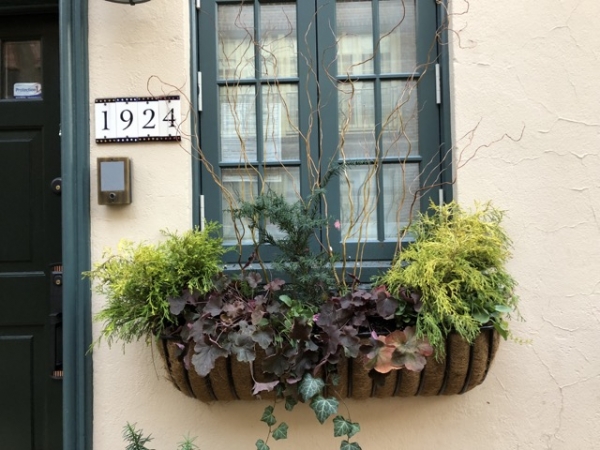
(75, 151)
(75, 193)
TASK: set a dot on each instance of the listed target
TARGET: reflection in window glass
(354, 21)
(238, 123)
(278, 41)
(357, 119)
(284, 181)
(238, 185)
(397, 33)
(358, 203)
(400, 197)
(400, 126)
(236, 41)
(280, 122)
(21, 69)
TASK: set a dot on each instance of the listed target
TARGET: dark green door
(30, 234)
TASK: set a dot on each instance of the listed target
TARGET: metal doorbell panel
(114, 181)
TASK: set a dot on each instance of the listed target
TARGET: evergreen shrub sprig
(456, 265)
(139, 279)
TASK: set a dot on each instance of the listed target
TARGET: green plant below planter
(449, 281)
(137, 440)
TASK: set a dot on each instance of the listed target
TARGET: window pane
(354, 21)
(21, 69)
(278, 41)
(280, 122)
(400, 197)
(237, 185)
(356, 119)
(397, 36)
(285, 181)
(236, 41)
(237, 105)
(400, 123)
(358, 203)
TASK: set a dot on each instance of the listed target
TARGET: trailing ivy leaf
(324, 407)
(260, 445)
(290, 402)
(205, 356)
(268, 416)
(343, 427)
(281, 431)
(350, 446)
(309, 387)
(503, 309)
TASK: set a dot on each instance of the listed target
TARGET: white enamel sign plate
(138, 119)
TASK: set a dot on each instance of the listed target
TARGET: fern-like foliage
(457, 266)
(135, 438)
(138, 279)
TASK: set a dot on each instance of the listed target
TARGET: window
(293, 88)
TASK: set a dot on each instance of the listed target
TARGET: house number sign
(138, 119)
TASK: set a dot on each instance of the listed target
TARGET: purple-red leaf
(260, 387)
(386, 306)
(205, 356)
(397, 350)
(253, 279)
(214, 306)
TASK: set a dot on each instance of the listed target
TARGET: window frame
(433, 118)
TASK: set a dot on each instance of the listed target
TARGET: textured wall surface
(526, 124)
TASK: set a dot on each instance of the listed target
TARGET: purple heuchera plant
(243, 315)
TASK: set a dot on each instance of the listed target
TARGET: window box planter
(464, 367)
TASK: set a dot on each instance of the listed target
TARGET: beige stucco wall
(520, 69)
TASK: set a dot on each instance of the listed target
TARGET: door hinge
(199, 91)
(438, 85)
(441, 197)
(202, 223)
(198, 4)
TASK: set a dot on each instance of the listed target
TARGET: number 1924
(138, 119)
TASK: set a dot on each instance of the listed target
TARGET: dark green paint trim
(77, 336)
(194, 67)
(447, 175)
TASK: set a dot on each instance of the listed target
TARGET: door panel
(30, 232)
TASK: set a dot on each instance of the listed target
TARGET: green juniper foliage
(457, 266)
(311, 273)
(139, 279)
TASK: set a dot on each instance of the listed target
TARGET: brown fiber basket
(464, 367)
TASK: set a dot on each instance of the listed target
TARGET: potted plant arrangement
(429, 325)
